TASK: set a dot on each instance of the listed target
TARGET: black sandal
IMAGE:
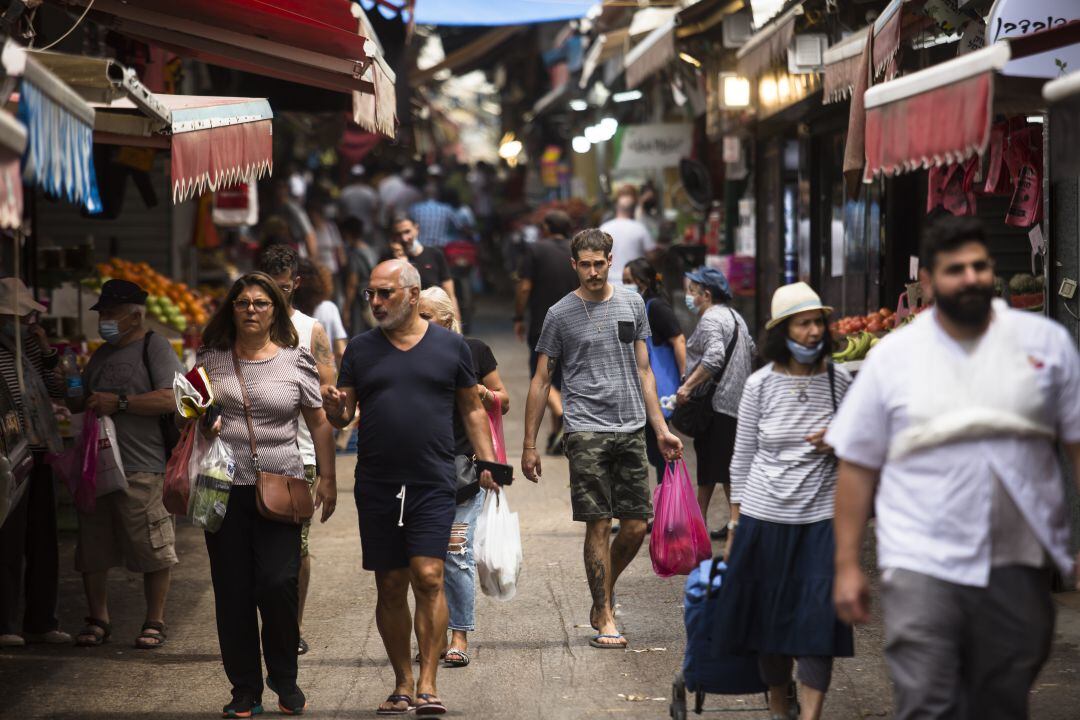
(89, 630)
(158, 637)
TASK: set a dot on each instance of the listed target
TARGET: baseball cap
(712, 280)
(120, 292)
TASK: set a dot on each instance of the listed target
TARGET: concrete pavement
(531, 657)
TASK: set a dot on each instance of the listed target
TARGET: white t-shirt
(329, 317)
(632, 240)
(304, 325)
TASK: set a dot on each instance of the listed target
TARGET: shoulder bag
(281, 498)
(692, 418)
(170, 434)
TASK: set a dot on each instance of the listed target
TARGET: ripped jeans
(460, 571)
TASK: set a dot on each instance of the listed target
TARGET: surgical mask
(417, 248)
(631, 287)
(689, 298)
(805, 355)
(109, 331)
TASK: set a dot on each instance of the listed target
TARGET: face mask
(417, 248)
(109, 331)
(805, 355)
(690, 302)
(630, 287)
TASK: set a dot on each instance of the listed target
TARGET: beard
(395, 317)
(969, 307)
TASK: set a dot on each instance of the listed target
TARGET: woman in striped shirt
(776, 600)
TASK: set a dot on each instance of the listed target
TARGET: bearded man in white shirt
(953, 424)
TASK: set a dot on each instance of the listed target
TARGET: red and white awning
(937, 116)
(842, 63)
(12, 145)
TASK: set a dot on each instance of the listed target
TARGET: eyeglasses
(383, 293)
(260, 306)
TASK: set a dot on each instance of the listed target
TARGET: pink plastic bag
(77, 466)
(679, 540)
(176, 492)
(496, 424)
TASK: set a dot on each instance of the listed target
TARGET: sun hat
(16, 299)
(712, 280)
(793, 299)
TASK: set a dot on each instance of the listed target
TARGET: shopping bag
(77, 466)
(110, 467)
(213, 481)
(496, 424)
(498, 548)
(679, 539)
(176, 492)
(665, 368)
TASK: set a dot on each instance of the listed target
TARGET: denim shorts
(395, 529)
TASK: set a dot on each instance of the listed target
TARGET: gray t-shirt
(595, 348)
(121, 370)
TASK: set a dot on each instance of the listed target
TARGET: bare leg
(779, 703)
(395, 627)
(97, 598)
(812, 702)
(432, 618)
(156, 590)
(459, 640)
(598, 572)
(305, 580)
(704, 497)
(624, 548)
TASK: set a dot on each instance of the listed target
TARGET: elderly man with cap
(719, 358)
(129, 378)
(776, 600)
(28, 551)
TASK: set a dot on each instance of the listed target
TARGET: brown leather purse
(278, 497)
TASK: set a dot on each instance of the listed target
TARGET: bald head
(398, 272)
(394, 292)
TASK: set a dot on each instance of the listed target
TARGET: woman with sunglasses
(254, 561)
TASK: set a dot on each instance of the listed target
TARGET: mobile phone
(501, 473)
(211, 415)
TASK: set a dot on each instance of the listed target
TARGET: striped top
(44, 366)
(776, 475)
(708, 346)
(278, 388)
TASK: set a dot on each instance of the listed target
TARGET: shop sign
(1016, 18)
(658, 145)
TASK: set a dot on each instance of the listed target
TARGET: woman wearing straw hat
(776, 596)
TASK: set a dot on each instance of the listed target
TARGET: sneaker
(242, 707)
(53, 637)
(302, 648)
(12, 641)
(292, 702)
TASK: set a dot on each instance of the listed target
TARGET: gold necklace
(607, 312)
(802, 396)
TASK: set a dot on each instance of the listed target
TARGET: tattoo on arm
(552, 363)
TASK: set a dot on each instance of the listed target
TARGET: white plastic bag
(498, 548)
(110, 467)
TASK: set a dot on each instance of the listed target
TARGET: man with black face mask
(953, 423)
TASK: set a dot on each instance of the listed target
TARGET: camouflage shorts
(311, 476)
(609, 475)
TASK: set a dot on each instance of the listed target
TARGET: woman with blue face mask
(776, 599)
(720, 348)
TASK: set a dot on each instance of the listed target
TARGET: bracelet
(528, 447)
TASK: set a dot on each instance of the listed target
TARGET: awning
(651, 54)
(312, 42)
(842, 62)
(493, 12)
(464, 57)
(603, 49)
(214, 141)
(548, 100)
(60, 128)
(703, 16)
(1063, 95)
(768, 44)
(12, 146)
(899, 20)
(937, 116)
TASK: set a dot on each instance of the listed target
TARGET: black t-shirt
(483, 363)
(406, 403)
(547, 264)
(662, 321)
(431, 264)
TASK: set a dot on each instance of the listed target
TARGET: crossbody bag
(282, 498)
(692, 418)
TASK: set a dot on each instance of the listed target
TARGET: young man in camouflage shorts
(597, 334)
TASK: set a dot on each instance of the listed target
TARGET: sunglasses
(383, 293)
(260, 306)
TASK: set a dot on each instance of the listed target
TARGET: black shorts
(714, 450)
(556, 377)
(426, 518)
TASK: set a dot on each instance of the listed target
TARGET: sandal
(302, 648)
(148, 640)
(461, 661)
(90, 630)
(595, 642)
(431, 705)
(394, 700)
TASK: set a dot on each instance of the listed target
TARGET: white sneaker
(11, 641)
(53, 637)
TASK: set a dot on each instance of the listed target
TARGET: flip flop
(463, 660)
(395, 699)
(431, 706)
(595, 642)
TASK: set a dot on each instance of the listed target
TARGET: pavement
(531, 657)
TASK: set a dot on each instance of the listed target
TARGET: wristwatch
(122, 404)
